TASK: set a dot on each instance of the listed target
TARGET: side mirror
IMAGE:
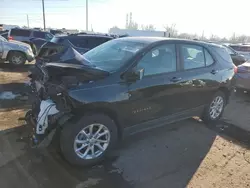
(134, 75)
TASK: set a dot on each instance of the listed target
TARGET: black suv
(81, 42)
(126, 85)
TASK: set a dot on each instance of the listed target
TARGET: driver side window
(161, 59)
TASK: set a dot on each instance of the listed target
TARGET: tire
(207, 117)
(17, 58)
(72, 131)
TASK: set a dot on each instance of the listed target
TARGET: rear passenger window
(193, 56)
(209, 59)
(20, 32)
(79, 42)
(95, 41)
(38, 34)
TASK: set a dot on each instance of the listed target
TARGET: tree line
(173, 32)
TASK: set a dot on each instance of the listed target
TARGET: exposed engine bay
(50, 83)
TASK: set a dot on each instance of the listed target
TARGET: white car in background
(243, 49)
(17, 53)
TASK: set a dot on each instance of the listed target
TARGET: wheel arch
(100, 108)
(12, 51)
(226, 92)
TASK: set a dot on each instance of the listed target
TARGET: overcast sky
(219, 17)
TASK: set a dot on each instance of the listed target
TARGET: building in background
(137, 33)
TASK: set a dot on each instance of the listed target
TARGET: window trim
(210, 55)
(164, 73)
(203, 50)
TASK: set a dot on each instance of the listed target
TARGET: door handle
(214, 71)
(175, 79)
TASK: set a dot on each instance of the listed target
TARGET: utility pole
(28, 23)
(44, 26)
(87, 16)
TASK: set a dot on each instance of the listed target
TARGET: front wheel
(89, 140)
(215, 109)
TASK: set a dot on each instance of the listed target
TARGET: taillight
(235, 70)
(10, 38)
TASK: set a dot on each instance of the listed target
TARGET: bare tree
(149, 27)
(132, 25)
(171, 30)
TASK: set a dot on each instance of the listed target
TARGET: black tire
(207, 118)
(19, 55)
(70, 131)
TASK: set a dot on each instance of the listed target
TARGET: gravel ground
(183, 154)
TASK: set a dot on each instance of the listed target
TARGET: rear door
(200, 73)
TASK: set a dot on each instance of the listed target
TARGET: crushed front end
(50, 85)
(50, 105)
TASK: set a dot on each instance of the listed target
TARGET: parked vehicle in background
(56, 32)
(242, 49)
(242, 77)
(26, 36)
(5, 35)
(126, 85)
(15, 52)
(237, 58)
(81, 42)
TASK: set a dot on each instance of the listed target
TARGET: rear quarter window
(223, 53)
(20, 32)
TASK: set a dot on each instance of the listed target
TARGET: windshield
(110, 56)
(3, 39)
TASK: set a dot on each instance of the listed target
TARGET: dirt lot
(184, 154)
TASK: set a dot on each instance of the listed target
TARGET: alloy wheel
(216, 107)
(92, 141)
(17, 59)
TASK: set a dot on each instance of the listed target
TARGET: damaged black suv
(92, 101)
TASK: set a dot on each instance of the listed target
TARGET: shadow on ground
(14, 87)
(169, 154)
(7, 67)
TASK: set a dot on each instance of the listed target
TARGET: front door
(156, 94)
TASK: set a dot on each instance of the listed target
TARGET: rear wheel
(89, 140)
(215, 109)
(17, 58)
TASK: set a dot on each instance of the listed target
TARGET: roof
(85, 35)
(158, 39)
